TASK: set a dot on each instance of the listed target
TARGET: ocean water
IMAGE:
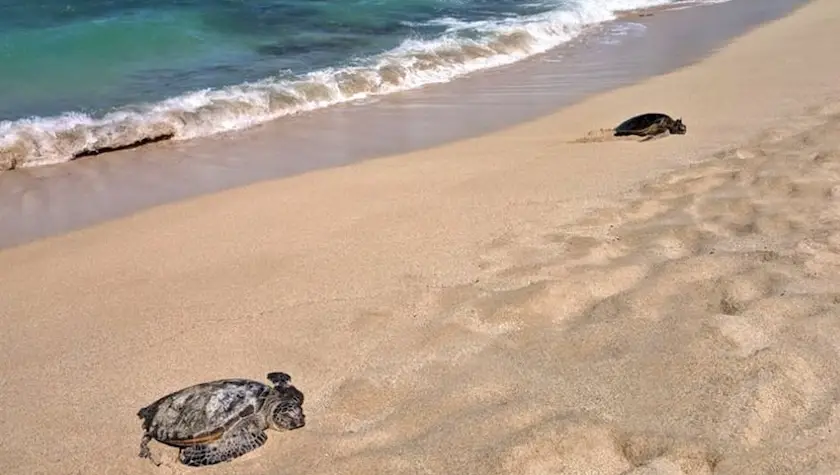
(81, 77)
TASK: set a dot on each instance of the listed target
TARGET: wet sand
(514, 303)
(51, 200)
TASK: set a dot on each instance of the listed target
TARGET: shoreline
(54, 141)
(43, 201)
(513, 303)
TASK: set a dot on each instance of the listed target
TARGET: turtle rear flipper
(235, 443)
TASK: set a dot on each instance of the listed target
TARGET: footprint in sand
(358, 404)
(747, 338)
(778, 391)
(564, 446)
(654, 454)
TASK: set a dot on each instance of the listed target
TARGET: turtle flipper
(145, 453)
(655, 136)
(237, 442)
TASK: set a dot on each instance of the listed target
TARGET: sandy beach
(523, 302)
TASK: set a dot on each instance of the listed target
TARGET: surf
(463, 47)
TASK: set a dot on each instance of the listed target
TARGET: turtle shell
(202, 413)
(638, 123)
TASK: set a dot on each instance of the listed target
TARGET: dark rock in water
(139, 143)
(649, 125)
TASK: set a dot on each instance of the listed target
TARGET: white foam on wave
(415, 63)
(619, 31)
(697, 3)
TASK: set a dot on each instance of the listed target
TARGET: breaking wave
(464, 47)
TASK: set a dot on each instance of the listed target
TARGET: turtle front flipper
(235, 443)
(655, 135)
(145, 453)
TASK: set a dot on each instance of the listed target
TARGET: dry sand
(510, 304)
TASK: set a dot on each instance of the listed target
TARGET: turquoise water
(90, 75)
(94, 54)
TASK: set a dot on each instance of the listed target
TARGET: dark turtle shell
(637, 125)
(204, 411)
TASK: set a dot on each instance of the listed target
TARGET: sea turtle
(650, 125)
(220, 420)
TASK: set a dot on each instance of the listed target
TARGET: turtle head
(677, 127)
(286, 413)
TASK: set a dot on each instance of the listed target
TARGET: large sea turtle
(220, 420)
(650, 125)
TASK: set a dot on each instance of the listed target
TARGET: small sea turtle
(220, 420)
(650, 125)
